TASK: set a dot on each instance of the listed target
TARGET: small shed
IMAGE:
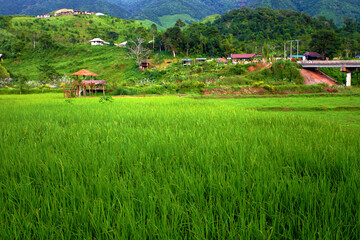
(200, 60)
(186, 62)
(145, 64)
(222, 61)
(98, 42)
(295, 58)
(313, 56)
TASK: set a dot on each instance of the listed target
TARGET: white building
(98, 42)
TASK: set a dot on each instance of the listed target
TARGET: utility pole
(284, 50)
(297, 51)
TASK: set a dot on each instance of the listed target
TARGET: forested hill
(153, 9)
(35, 7)
(249, 30)
(166, 12)
(331, 9)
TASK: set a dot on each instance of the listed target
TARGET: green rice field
(179, 168)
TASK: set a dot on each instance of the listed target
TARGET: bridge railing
(330, 62)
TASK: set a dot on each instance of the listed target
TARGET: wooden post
(84, 87)
(104, 90)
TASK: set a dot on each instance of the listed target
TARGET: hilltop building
(98, 42)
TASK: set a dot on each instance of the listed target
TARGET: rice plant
(173, 168)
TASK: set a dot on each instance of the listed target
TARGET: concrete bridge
(347, 66)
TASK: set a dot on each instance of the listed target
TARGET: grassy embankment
(175, 167)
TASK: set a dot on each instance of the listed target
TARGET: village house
(43, 16)
(244, 58)
(312, 56)
(98, 42)
(200, 60)
(222, 61)
(123, 44)
(186, 62)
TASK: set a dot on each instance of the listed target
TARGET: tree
(47, 73)
(179, 23)
(154, 31)
(3, 73)
(137, 50)
(173, 38)
(325, 42)
(265, 52)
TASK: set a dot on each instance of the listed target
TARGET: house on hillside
(313, 56)
(200, 60)
(99, 14)
(98, 42)
(186, 62)
(123, 44)
(145, 64)
(63, 12)
(244, 58)
(222, 61)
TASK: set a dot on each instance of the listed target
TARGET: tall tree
(138, 50)
(173, 38)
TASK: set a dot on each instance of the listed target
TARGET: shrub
(258, 84)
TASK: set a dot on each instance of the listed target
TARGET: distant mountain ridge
(35, 7)
(196, 9)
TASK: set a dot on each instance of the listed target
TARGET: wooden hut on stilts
(79, 87)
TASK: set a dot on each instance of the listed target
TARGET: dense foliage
(249, 30)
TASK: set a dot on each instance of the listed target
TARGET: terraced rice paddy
(176, 168)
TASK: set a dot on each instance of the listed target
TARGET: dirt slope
(316, 76)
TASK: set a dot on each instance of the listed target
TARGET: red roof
(312, 54)
(243, 56)
(84, 72)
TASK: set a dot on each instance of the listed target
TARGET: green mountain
(35, 7)
(187, 10)
(331, 9)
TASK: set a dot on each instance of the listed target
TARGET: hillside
(63, 43)
(35, 7)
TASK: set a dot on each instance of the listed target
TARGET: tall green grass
(173, 168)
